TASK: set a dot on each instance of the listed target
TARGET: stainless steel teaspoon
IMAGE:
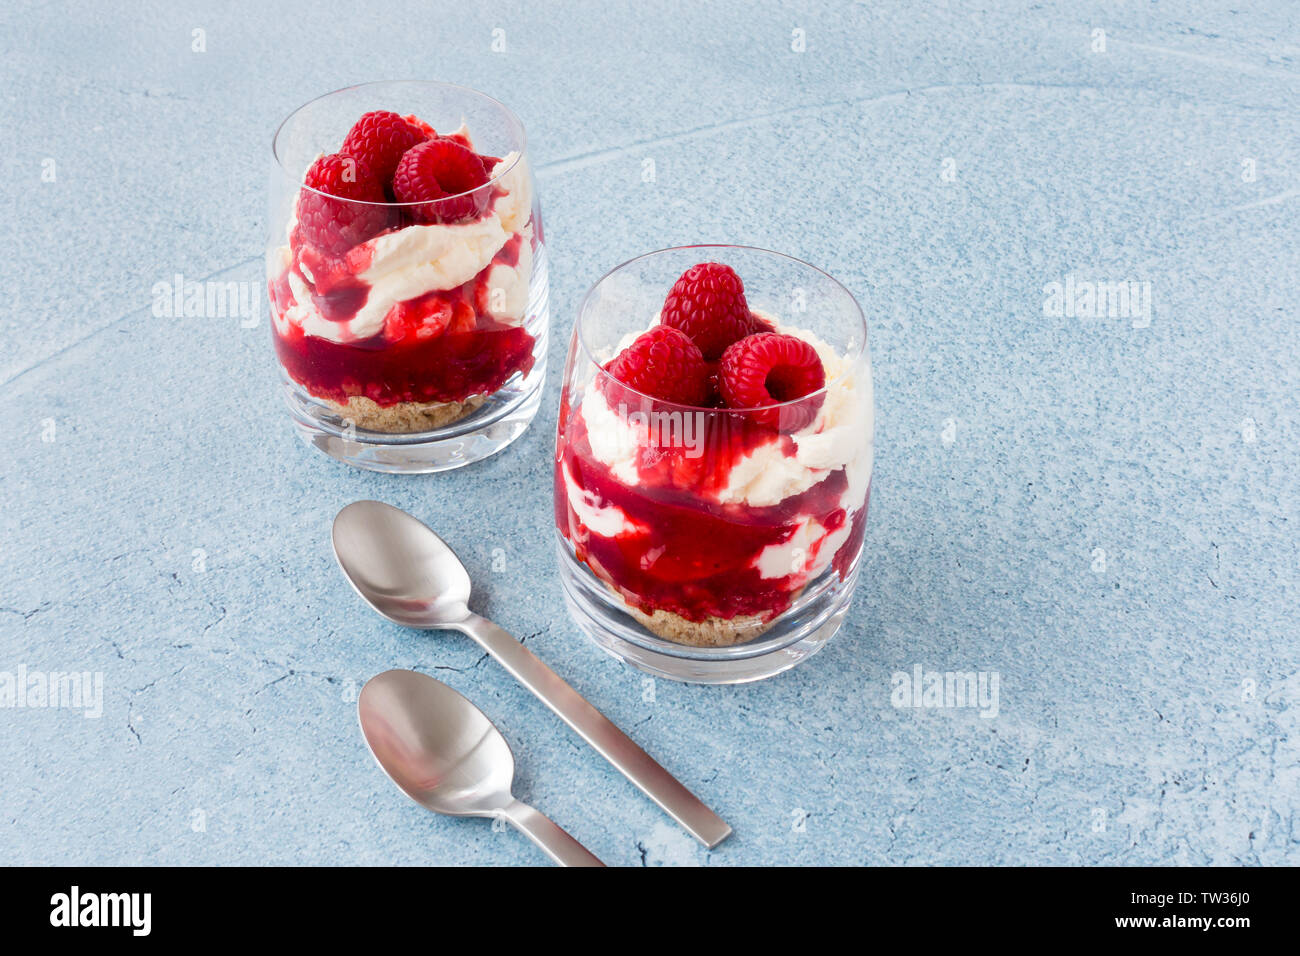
(445, 754)
(403, 570)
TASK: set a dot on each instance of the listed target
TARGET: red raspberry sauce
(438, 347)
(690, 554)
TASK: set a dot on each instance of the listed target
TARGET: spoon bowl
(445, 754)
(400, 567)
(438, 748)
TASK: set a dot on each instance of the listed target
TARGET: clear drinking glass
(713, 545)
(411, 335)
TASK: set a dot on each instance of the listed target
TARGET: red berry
(428, 131)
(379, 139)
(714, 399)
(663, 363)
(463, 318)
(768, 368)
(416, 320)
(433, 171)
(459, 137)
(708, 304)
(358, 213)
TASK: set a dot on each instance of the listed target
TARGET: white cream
(810, 549)
(839, 437)
(508, 286)
(608, 521)
(614, 440)
(433, 258)
(791, 557)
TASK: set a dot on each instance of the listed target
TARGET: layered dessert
(399, 295)
(716, 465)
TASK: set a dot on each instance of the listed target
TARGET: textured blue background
(1127, 733)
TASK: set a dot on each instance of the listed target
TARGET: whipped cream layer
(839, 437)
(420, 259)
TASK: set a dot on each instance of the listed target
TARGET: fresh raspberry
(459, 137)
(379, 139)
(428, 131)
(663, 363)
(768, 368)
(417, 320)
(463, 319)
(435, 170)
(336, 224)
(714, 399)
(708, 304)
(427, 317)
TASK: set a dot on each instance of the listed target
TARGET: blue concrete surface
(1103, 511)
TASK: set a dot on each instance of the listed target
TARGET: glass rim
(498, 171)
(852, 357)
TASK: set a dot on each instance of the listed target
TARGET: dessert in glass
(713, 462)
(407, 276)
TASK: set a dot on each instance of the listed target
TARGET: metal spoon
(449, 758)
(409, 575)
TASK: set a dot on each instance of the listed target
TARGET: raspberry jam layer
(442, 346)
(448, 368)
(667, 543)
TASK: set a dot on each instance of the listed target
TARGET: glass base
(796, 635)
(502, 418)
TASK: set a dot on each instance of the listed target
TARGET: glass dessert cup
(411, 335)
(709, 544)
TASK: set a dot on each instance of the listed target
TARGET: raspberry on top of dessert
(405, 250)
(716, 464)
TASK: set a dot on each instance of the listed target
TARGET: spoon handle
(549, 837)
(595, 728)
